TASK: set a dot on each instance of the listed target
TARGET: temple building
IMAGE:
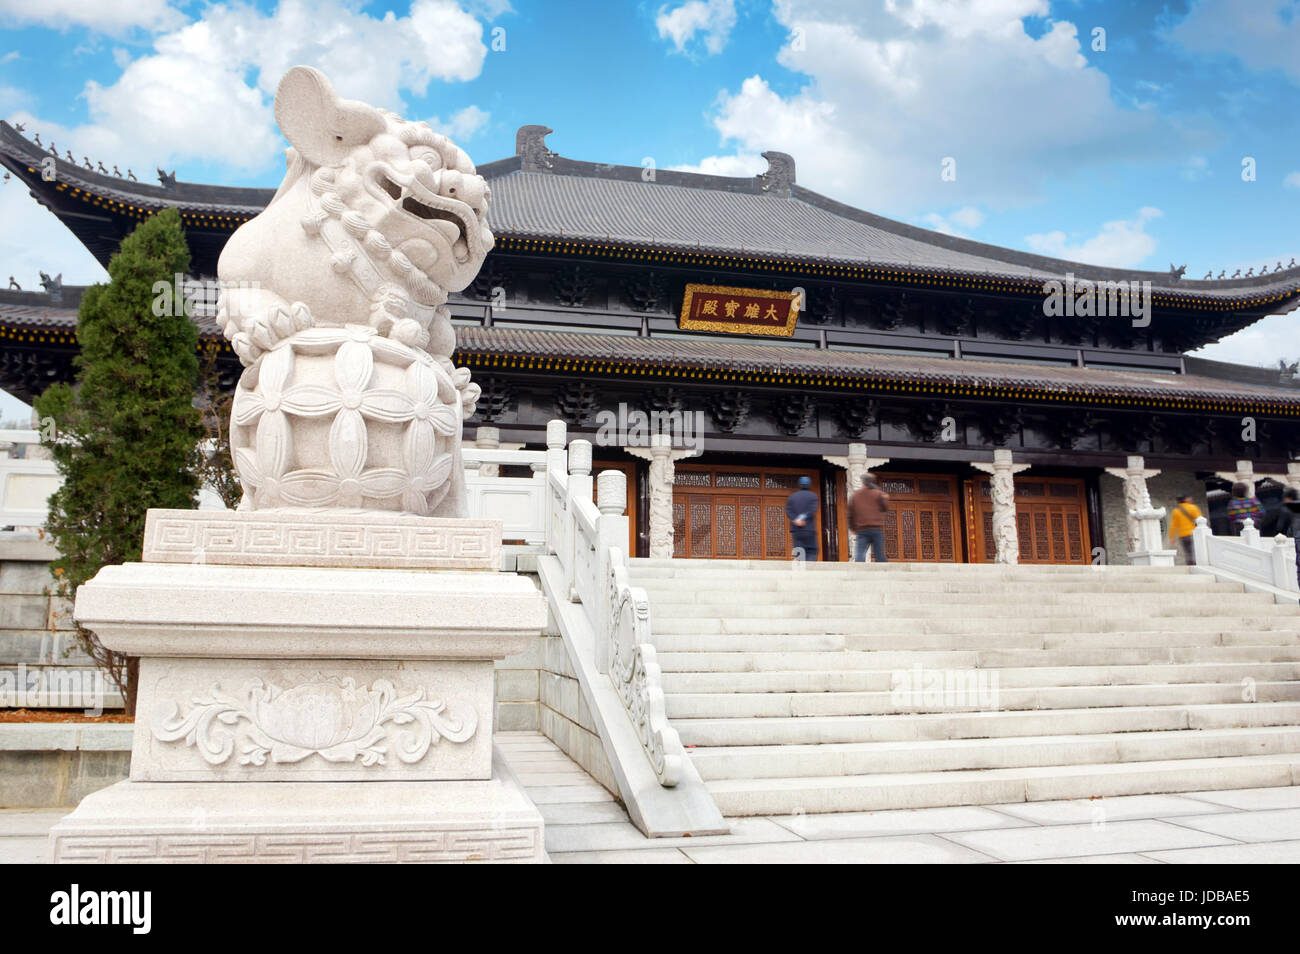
(775, 333)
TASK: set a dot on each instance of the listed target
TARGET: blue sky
(1131, 155)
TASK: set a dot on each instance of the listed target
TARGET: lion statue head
(391, 216)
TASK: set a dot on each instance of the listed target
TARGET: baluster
(611, 500)
(556, 435)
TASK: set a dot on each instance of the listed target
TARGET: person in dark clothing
(801, 510)
(1288, 522)
(867, 508)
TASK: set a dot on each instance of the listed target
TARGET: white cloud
(1122, 243)
(1292, 181)
(895, 87)
(1263, 343)
(739, 167)
(205, 91)
(463, 123)
(9, 57)
(958, 223)
(33, 241)
(713, 18)
(1263, 34)
(113, 17)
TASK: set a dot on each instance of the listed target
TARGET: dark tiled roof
(34, 311)
(539, 195)
(843, 367)
(801, 227)
(38, 316)
(220, 200)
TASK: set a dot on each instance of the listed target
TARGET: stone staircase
(41, 664)
(855, 687)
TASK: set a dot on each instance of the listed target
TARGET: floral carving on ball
(346, 418)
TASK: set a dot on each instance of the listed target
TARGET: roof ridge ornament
(779, 176)
(530, 147)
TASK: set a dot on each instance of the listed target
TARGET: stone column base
(304, 822)
(1151, 557)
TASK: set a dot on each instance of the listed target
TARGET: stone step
(1096, 607)
(656, 567)
(767, 643)
(753, 661)
(999, 786)
(862, 680)
(805, 584)
(711, 600)
(972, 625)
(35, 647)
(947, 755)
(1007, 641)
(985, 695)
(57, 687)
(1001, 724)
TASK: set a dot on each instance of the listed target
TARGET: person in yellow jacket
(1182, 521)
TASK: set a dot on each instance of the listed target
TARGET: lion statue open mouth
(399, 210)
(334, 297)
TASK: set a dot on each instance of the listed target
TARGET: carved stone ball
(346, 418)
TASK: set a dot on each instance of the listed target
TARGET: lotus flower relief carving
(335, 719)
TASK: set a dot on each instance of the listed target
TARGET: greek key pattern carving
(636, 673)
(329, 541)
(492, 845)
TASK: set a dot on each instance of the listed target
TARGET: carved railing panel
(595, 574)
(636, 674)
(1271, 561)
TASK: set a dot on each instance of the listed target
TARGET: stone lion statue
(334, 297)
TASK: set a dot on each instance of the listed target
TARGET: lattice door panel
(731, 512)
(921, 524)
(716, 526)
(1051, 521)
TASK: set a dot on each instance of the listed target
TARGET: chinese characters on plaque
(742, 311)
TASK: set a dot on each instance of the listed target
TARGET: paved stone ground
(585, 824)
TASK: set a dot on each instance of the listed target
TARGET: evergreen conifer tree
(126, 431)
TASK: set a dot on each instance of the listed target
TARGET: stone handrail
(586, 538)
(1270, 562)
(518, 502)
(635, 672)
(27, 478)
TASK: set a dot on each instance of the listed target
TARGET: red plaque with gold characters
(739, 311)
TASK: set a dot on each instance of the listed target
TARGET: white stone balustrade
(518, 502)
(587, 538)
(27, 478)
(1268, 562)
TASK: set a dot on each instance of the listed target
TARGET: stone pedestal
(1150, 550)
(274, 697)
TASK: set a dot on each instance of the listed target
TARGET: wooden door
(732, 512)
(922, 524)
(1051, 520)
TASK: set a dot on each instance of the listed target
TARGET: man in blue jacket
(801, 510)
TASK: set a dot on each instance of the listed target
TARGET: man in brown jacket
(867, 509)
